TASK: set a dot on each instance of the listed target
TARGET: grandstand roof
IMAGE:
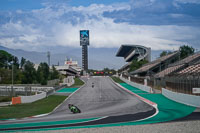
(195, 58)
(129, 52)
(153, 64)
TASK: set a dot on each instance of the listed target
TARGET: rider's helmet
(70, 105)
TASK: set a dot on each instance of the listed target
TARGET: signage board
(84, 37)
(195, 90)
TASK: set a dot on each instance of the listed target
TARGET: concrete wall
(68, 81)
(53, 82)
(182, 98)
(142, 87)
(30, 99)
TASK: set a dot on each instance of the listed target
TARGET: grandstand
(133, 52)
(169, 72)
(178, 66)
(66, 70)
(181, 76)
(183, 80)
(156, 66)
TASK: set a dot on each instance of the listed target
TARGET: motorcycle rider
(74, 109)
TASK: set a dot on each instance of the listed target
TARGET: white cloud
(55, 26)
(188, 1)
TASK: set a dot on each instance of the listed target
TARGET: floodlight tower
(84, 42)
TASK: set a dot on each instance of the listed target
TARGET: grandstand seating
(155, 63)
(180, 65)
(193, 69)
(168, 71)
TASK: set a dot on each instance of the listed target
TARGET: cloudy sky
(159, 24)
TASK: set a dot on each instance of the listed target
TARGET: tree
(43, 73)
(164, 53)
(6, 62)
(5, 75)
(15, 62)
(18, 76)
(137, 64)
(29, 73)
(185, 51)
(54, 74)
(23, 61)
(109, 71)
(5, 59)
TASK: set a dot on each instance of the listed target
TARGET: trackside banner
(196, 90)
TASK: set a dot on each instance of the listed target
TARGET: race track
(105, 101)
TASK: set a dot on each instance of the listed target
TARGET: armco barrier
(30, 99)
(187, 99)
(139, 86)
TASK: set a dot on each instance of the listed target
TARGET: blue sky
(37, 4)
(159, 24)
(20, 4)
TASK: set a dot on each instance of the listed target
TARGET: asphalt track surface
(105, 100)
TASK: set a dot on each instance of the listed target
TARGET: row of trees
(24, 72)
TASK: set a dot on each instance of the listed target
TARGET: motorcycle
(74, 109)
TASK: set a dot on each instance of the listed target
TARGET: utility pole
(48, 56)
(12, 70)
(12, 76)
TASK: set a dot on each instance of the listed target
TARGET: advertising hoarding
(84, 37)
(196, 90)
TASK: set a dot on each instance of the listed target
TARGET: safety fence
(23, 90)
(183, 83)
(139, 80)
(176, 83)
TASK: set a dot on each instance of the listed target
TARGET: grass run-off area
(77, 83)
(42, 106)
(117, 80)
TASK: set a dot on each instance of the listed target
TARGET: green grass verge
(77, 83)
(43, 106)
(5, 99)
(117, 80)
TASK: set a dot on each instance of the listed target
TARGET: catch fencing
(23, 90)
(184, 83)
